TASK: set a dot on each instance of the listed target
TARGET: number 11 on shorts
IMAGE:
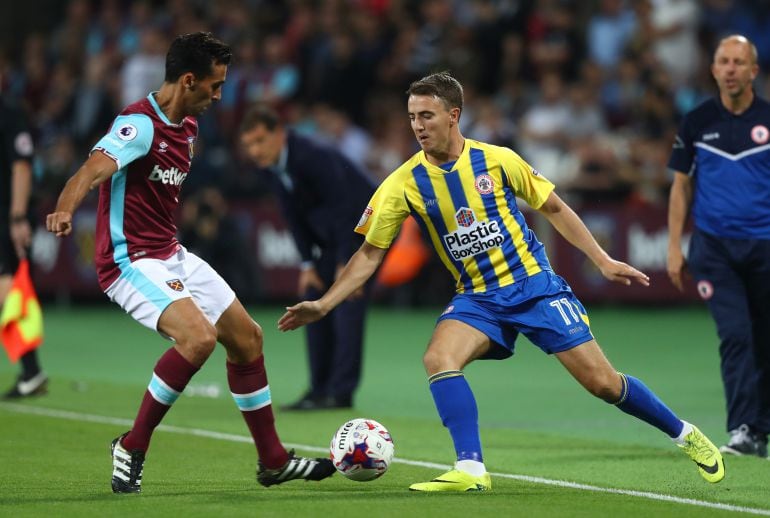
(562, 303)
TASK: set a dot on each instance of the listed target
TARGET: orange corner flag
(21, 321)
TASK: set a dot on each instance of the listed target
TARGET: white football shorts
(148, 286)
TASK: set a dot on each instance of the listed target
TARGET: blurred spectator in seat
(144, 71)
(544, 128)
(553, 38)
(672, 27)
(609, 31)
(92, 109)
(338, 130)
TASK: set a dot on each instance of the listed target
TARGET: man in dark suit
(322, 195)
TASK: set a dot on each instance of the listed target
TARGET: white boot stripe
(309, 469)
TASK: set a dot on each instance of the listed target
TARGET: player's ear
(188, 81)
(454, 116)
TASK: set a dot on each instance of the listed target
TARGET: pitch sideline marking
(76, 416)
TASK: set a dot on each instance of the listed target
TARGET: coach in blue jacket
(721, 159)
(322, 195)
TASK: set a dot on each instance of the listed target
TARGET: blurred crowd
(589, 92)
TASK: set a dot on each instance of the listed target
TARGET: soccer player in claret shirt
(463, 194)
(139, 167)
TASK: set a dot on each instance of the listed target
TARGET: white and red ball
(362, 449)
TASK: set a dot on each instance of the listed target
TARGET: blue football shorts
(542, 307)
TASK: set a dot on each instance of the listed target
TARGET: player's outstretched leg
(127, 467)
(592, 370)
(457, 407)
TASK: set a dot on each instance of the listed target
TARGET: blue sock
(457, 408)
(639, 401)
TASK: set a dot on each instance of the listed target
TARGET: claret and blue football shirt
(469, 212)
(135, 218)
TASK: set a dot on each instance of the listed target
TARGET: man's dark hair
(260, 115)
(196, 53)
(441, 85)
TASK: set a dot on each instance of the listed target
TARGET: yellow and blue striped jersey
(469, 212)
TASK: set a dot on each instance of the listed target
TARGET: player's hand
(677, 268)
(301, 314)
(60, 223)
(21, 237)
(618, 271)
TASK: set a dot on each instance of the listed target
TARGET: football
(362, 449)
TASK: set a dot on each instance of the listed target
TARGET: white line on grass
(76, 416)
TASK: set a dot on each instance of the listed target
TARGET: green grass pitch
(552, 448)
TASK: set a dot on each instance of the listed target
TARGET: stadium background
(589, 92)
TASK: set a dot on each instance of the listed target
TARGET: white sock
(686, 429)
(473, 467)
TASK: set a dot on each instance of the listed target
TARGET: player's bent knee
(258, 335)
(257, 339)
(435, 361)
(198, 342)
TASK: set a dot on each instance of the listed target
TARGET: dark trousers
(335, 343)
(733, 276)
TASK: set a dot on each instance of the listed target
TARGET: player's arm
(359, 268)
(21, 188)
(569, 225)
(98, 168)
(679, 202)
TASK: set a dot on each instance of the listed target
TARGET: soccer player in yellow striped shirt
(463, 194)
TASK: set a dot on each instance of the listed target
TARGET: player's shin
(251, 392)
(457, 408)
(639, 401)
(169, 378)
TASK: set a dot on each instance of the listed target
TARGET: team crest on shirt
(191, 146)
(760, 134)
(705, 289)
(175, 284)
(484, 184)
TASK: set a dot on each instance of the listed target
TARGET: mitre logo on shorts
(472, 236)
(171, 176)
(175, 284)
